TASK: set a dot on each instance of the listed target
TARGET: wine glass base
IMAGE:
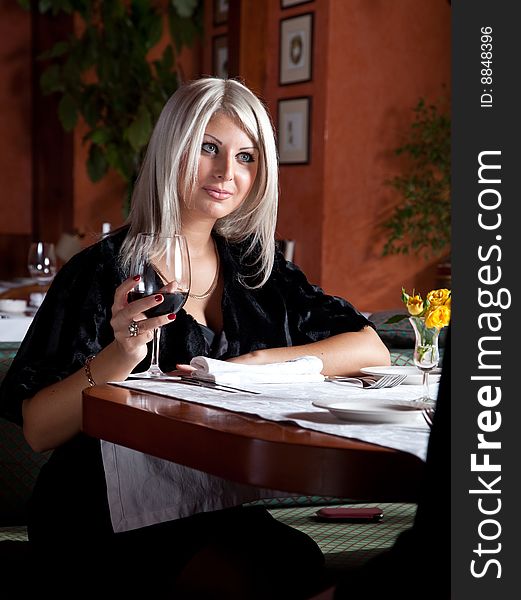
(153, 374)
(429, 402)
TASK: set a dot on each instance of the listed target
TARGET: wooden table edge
(248, 449)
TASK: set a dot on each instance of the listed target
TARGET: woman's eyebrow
(220, 143)
(213, 137)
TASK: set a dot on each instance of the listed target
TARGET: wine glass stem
(425, 384)
(154, 363)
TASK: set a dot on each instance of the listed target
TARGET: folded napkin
(303, 369)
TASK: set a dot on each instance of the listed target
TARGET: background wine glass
(163, 263)
(41, 262)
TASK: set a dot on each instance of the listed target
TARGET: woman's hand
(54, 414)
(124, 313)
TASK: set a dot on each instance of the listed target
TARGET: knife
(214, 386)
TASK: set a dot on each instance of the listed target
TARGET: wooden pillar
(52, 147)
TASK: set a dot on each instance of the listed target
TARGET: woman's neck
(199, 238)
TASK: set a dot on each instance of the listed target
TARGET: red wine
(171, 303)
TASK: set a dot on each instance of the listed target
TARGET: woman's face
(228, 166)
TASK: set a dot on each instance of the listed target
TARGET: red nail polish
(158, 298)
(172, 316)
(137, 277)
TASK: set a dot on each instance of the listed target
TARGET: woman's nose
(224, 168)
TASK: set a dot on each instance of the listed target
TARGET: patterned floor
(345, 545)
(348, 545)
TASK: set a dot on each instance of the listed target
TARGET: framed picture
(288, 3)
(296, 39)
(220, 56)
(220, 11)
(294, 130)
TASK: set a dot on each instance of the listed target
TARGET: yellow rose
(438, 297)
(414, 305)
(448, 302)
(438, 316)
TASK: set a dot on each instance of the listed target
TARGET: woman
(210, 173)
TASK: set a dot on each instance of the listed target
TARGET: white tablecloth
(13, 329)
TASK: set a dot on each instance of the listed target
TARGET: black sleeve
(72, 323)
(312, 314)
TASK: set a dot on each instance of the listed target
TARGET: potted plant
(421, 222)
(103, 74)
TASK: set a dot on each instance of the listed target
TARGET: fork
(428, 414)
(386, 381)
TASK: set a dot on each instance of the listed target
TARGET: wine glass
(41, 262)
(163, 263)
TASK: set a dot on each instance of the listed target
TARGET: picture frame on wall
(294, 117)
(296, 52)
(220, 56)
(288, 3)
(220, 12)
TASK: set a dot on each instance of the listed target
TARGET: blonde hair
(169, 170)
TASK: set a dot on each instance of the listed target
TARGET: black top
(74, 322)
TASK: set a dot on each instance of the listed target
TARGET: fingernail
(158, 298)
(172, 316)
(137, 277)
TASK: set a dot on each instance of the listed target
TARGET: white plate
(414, 376)
(373, 411)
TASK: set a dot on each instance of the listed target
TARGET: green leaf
(184, 30)
(59, 49)
(44, 5)
(89, 106)
(100, 136)
(51, 81)
(185, 8)
(67, 112)
(395, 319)
(139, 131)
(96, 163)
(154, 31)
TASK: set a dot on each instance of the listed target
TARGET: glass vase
(426, 353)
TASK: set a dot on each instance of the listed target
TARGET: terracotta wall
(382, 56)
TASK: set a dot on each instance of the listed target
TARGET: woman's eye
(246, 157)
(210, 147)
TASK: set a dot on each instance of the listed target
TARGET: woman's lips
(217, 194)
